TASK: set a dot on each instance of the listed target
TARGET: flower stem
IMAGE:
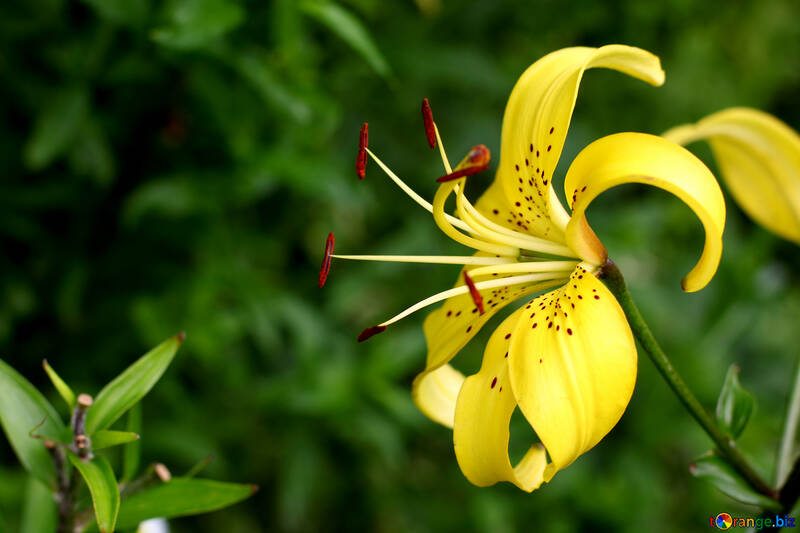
(787, 446)
(612, 277)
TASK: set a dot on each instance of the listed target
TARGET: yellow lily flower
(566, 358)
(759, 159)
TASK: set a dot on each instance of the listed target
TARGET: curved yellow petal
(641, 158)
(535, 125)
(572, 364)
(759, 158)
(483, 413)
(447, 330)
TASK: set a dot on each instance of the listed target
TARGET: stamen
(491, 230)
(326, 260)
(414, 196)
(361, 158)
(442, 153)
(439, 216)
(547, 280)
(370, 332)
(437, 259)
(427, 118)
(476, 296)
(558, 268)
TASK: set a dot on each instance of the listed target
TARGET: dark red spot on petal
(494, 382)
(326, 260)
(569, 331)
(551, 130)
(508, 336)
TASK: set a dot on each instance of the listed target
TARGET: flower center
(503, 256)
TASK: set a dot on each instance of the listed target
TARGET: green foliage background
(176, 166)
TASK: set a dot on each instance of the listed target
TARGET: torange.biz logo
(726, 521)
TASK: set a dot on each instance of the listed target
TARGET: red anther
(427, 118)
(326, 260)
(361, 158)
(473, 291)
(370, 331)
(461, 173)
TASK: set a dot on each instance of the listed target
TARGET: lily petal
(447, 330)
(572, 366)
(535, 126)
(483, 413)
(641, 158)
(759, 158)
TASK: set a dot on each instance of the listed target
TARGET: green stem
(726, 446)
(786, 448)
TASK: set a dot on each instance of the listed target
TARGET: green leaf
(63, 389)
(132, 453)
(197, 22)
(735, 404)
(22, 408)
(719, 473)
(56, 126)
(102, 485)
(181, 497)
(350, 30)
(106, 438)
(131, 386)
(39, 511)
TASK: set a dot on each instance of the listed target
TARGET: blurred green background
(177, 166)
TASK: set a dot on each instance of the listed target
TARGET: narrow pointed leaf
(39, 511)
(131, 454)
(716, 471)
(106, 438)
(350, 30)
(102, 485)
(181, 497)
(131, 386)
(22, 408)
(61, 387)
(735, 404)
